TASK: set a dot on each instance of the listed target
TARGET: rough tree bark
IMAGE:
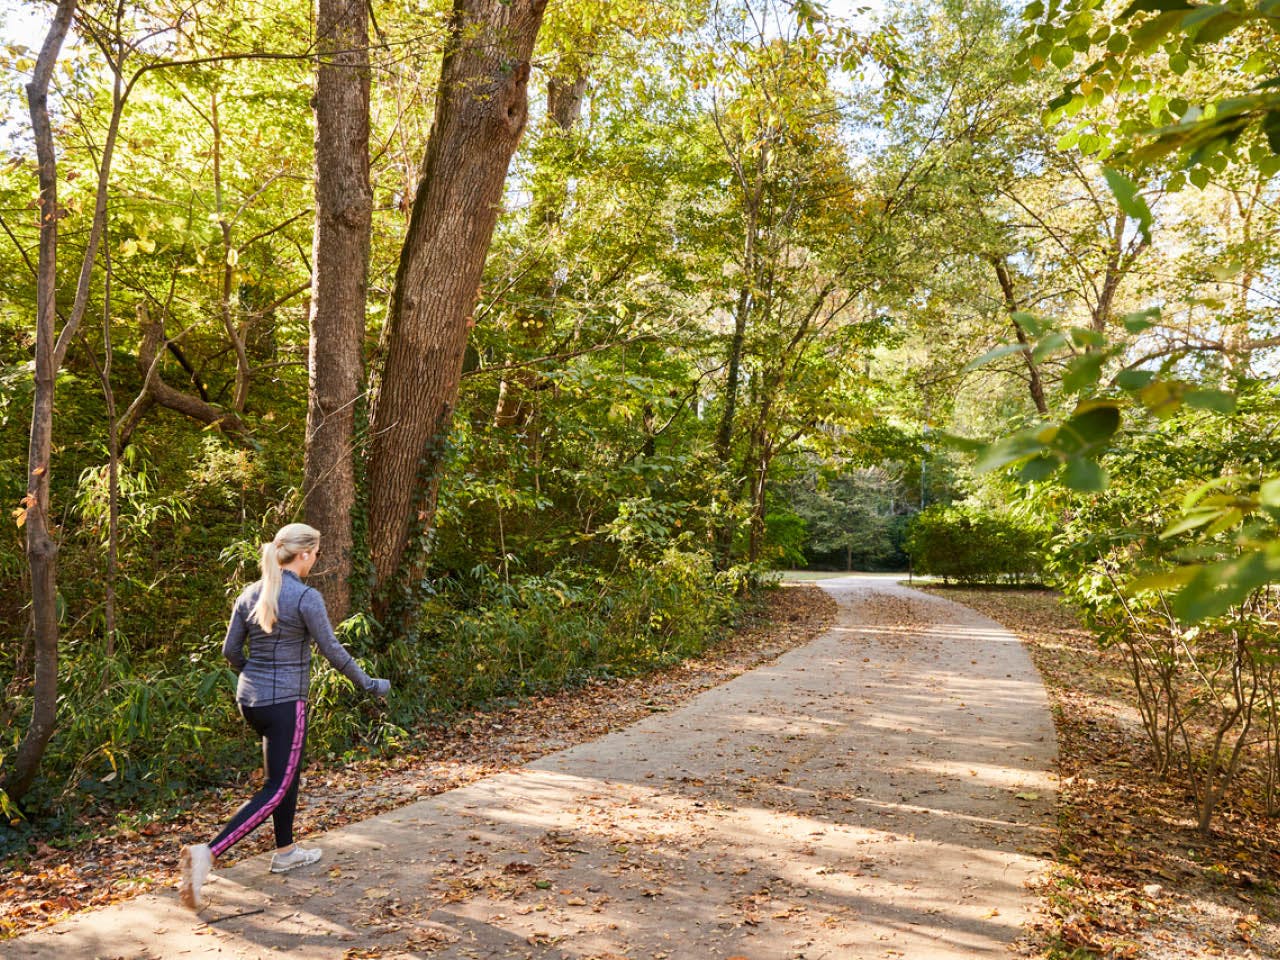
(481, 108)
(42, 548)
(344, 209)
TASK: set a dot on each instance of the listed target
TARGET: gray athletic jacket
(275, 667)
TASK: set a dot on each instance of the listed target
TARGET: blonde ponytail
(290, 540)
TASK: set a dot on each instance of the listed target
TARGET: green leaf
(1029, 322)
(1269, 492)
(1009, 450)
(1084, 337)
(1083, 372)
(1094, 424)
(1163, 581)
(1048, 346)
(1198, 493)
(964, 444)
(1084, 475)
(1228, 520)
(1001, 351)
(1217, 27)
(1157, 28)
(1271, 127)
(1162, 397)
(1062, 56)
(1152, 6)
(1130, 200)
(1038, 468)
(1217, 587)
(1221, 401)
(1141, 320)
(1190, 521)
(1134, 379)
(1199, 176)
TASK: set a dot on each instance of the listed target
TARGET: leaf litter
(1132, 876)
(116, 862)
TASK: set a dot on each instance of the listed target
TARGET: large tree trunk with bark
(481, 108)
(344, 209)
(42, 548)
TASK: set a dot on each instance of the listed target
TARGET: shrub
(964, 543)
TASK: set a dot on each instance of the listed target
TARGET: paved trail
(881, 792)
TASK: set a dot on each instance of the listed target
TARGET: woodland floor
(118, 862)
(781, 847)
(883, 790)
(1134, 878)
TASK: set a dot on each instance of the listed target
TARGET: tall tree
(344, 209)
(481, 109)
(42, 548)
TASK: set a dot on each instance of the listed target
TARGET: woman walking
(278, 618)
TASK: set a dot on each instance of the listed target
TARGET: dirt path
(880, 792)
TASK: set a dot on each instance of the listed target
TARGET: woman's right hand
(380, 688)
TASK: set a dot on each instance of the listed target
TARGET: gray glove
(380, 688)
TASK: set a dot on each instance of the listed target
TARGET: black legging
(283, 728)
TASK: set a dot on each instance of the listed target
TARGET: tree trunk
(344, 210)
(155, 392)
(759, 492)
(481, 108)
(1011, 304)
(737, 342)
(42, 549)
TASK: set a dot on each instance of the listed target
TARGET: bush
(492, 638)
(964, 543)
(1208, 694)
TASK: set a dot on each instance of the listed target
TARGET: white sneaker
(196, 861)
(297, 857)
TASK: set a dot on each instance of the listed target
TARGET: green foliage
(485, 638)
(849, 215)
(1146, 67)
(851, 521)
(972, 545)
(1201, 687)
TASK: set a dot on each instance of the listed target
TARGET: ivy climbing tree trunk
(42, 548)
(481, 108)
(344, 209)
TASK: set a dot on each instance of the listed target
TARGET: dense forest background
(725, 287)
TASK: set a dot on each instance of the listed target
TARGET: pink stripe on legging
(295, 754)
